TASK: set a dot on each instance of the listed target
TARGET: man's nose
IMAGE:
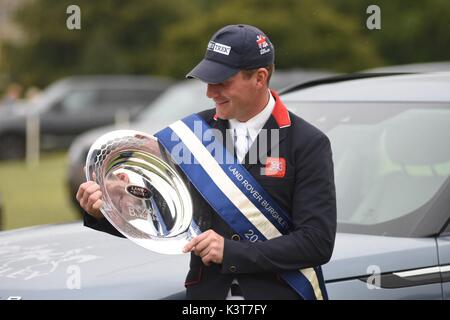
(212, 90)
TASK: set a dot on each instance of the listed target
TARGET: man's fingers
(206, 262)
(89, 197)
(92, 188)
(202, 245)
(203, 253)
(208, 245)
(93, 198)
(97, 205)
(89, 191)
(207, 259)
(188, 247)
(82, 189)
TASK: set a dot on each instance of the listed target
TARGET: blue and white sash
(234, 193)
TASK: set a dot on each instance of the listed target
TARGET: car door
(379, 267)
(444, 261)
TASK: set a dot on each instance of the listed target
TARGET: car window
(177, 102)
(79, 101)
(115, 99)
(390, 159)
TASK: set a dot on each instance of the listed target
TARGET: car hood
(357, 255)
(70, 261)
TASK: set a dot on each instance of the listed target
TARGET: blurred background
(60, 88)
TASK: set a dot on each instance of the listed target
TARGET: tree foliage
(169, 37)
(305, 33)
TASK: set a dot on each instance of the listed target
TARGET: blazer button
(232, 269)
(235, 237)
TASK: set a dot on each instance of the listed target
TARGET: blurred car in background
(389, 136)
(284, 78)
(413, 67)
(74, 105)
(180, 100)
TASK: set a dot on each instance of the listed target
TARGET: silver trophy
(145, 195)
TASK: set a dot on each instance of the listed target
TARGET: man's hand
(89, 198)
(209, 246)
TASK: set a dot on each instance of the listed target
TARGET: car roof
(285, 78)
(413, 67)
(431, 87)
(115, 81)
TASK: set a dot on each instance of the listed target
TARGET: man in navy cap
(296, 171)
(237, 67)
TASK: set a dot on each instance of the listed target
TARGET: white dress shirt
(245, 133)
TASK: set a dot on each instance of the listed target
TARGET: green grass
(35, 195)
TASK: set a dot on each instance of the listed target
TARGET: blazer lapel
(223, 126)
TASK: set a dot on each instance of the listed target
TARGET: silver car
(389, 137)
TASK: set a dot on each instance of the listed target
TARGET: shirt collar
(255, 124)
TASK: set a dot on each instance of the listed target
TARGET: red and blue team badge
(262, 43)
(275, 167)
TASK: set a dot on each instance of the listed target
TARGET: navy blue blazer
(305, 190)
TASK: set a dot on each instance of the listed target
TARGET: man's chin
(221, 115)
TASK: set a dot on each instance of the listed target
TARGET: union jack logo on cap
(261, 41)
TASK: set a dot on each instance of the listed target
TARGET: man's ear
(261, 77)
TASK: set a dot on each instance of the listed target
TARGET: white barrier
(32, 140)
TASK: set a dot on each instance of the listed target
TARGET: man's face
(235, 97)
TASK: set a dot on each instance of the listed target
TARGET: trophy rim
(164, 245)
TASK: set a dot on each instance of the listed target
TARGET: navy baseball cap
(233, 48)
